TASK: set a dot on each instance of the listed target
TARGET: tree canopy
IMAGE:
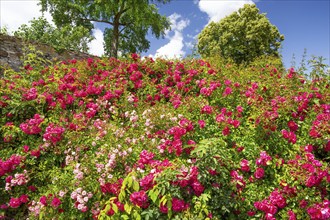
(127, 21)
(66, 37)
(242, 36)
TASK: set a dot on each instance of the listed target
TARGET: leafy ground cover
(163, 139)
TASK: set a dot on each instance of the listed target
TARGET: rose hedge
(146, 139)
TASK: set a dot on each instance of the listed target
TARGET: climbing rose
(201, 123)
(245, 165)
(140, 199)
(43, 200)
(179, 205)
(292, 126)
(227, 91)
(14, 202)
(207, 109)
(24, 198)
(259, 173)
(56, 202)
(226, 131)
(291, 214)
(53, 133)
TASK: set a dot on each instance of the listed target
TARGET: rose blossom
(14, 202)
(245, 165)
(56, 202)
(260, 172)
(140, 199)
(179, 205)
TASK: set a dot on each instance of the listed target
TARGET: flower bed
(161, 139)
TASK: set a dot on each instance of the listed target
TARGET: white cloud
(175, 24)
(15, 13)
(216, 10)
(190, 44)
(174, 48)
(96, 45)
(194, 37)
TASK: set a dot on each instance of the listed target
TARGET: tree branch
(125, 26)
(97, 20)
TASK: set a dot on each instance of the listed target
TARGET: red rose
(260, 172)
(56, 202)
(14, 202)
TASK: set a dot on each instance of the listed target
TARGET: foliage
(65, 38)
(4, 30)
(242, 36)
(127, 21)
(162, 139)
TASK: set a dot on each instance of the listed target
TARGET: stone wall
(12, 49)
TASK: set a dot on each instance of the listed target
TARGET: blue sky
(305, 24)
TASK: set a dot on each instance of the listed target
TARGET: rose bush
(167, 139)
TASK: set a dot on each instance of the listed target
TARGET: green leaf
(129, 181)
(114, 207)
(41, 215)
(125, 217)
(128, 208)
(136, 215)
(316, 101)
(121, 196)
(136, 186)
(154, 195)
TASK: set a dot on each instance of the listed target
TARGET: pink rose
(56, 202)
(14, 202)
(43, 200)
(245, 165)
(140, 199)
(260, 172)
(24, 198)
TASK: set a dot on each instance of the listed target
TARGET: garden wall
(11, 51)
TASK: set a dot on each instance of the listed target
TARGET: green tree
(242, 36)
(127, 21)
(4, 30)
(66, 37)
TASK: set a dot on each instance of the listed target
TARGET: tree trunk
(115, 40)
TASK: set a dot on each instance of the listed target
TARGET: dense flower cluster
(81, 198)
(259, 173)
(245, 165)
(320, 211)
(10, 164)
(178, 205)
(321, 122)
(140, 199)
(238, 180)
(271, 205)
(112, 188)
(264, 159)
(145, 158)
(147, 182)
(188, 180)
(53, 133)
(144, 139)
(31, 94)
(32, 126)
(290, 135)
(18, 179)
(17, 202)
